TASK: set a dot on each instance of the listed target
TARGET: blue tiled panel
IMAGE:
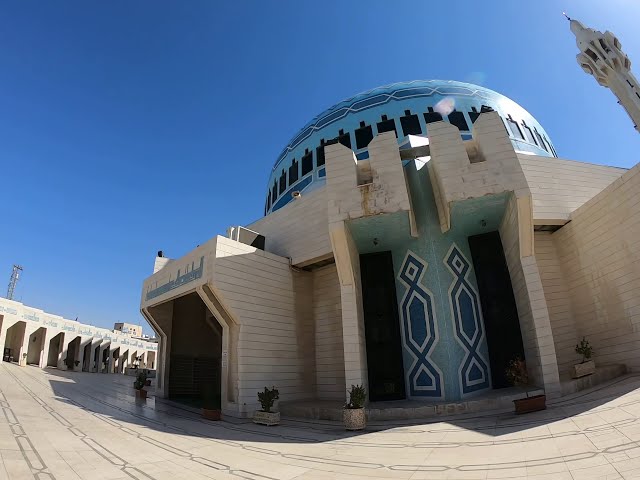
(419, 330)
(468, 324)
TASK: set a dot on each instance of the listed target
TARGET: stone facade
(31, 336)
(297, 315)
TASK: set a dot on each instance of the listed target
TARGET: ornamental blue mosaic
(419, 330)
(467, 323)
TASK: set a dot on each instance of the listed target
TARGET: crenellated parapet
(486, 165)
(368, 187)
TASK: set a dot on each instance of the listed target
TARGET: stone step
(495, 400)
(602, 374)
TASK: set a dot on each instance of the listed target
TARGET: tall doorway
(196, 353)
(36, 346)
(382, 327)
(13, 341)
(55, 347)
(499, 310)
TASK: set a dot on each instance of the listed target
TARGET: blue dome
(406, 108)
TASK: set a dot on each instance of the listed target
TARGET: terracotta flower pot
(354, 418)
(211, 414)
(583, 369)
(142, 394)
(530, 404)
(266, 418)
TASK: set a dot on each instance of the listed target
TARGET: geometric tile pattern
(468, 325)
(419, 330)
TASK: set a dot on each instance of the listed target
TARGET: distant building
(129, 328)
(30, 336)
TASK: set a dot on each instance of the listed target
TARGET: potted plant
(518, 375)
(211, 402)
(24, 359)
(354, 416)
(267, 399)
(141, 379)
(587, 366)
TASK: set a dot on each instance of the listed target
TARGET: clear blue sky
(132, 126)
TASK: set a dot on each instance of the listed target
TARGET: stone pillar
(83, 343)
(22, 355)
(110, 359)
(45, 347)
(101, 365)
(3, 335)
(64, 347)
(345, 202)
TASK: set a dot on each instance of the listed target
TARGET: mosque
(416, 238)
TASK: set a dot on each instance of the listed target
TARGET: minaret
(601, 55)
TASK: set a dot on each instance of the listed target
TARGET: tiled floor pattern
(68, 425)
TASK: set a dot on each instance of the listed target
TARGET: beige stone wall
(327, 315)
(535, 326)
(298, 230)
(257, 289)
(560, 186)
(599, 253)
(556, 293)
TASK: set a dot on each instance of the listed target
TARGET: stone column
(44, 354)
(22, 355)
(3, 335)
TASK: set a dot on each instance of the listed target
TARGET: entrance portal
(36, 346)
(13, 341)
(382, 327)
(115, 361)
(55, 347)
(104, 365)
(150, 361)
(86, 358)
(73, 353)
(498, 305)
(196, 353)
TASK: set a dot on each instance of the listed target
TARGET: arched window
(473, 114)
(457, 118)
(320, 153)
(540, 139)
(432, 116)
(364, 135)
(283, 182)
(293, 172)
(515, 128)
(387, 125)
(529, 133)
(410, 124)
(307, 162)
(344, 138)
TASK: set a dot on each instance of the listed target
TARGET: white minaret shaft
(601, 55)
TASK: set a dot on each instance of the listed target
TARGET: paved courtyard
(67, 425)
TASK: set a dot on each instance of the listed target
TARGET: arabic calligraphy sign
(180, 280)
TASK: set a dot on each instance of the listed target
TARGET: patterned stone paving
(69, 425)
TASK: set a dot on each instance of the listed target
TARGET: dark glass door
(382, 327)
(499, 310)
